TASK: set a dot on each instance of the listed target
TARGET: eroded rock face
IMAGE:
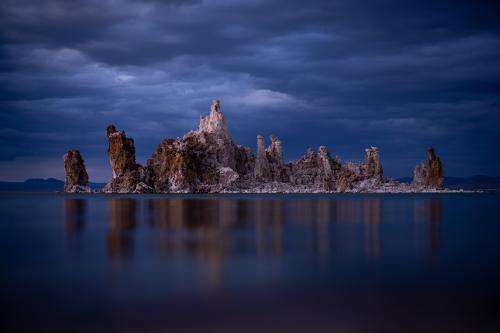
(316, 169)
(205, 160)
(366, 175)
(183, 165)
(128, 176)
(245, 162)
(213, 131)
(269, 164)
(76, 178)
(372, 167)
(262, 168)
(429, 174)
(121, 152)
(208, 160)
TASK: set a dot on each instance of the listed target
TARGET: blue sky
(401, 75)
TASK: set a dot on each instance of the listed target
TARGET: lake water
(253, 263)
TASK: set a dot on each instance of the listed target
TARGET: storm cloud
(401, 75)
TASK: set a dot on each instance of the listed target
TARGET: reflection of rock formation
(366, 213)
(323, 223)
(122, 220)
(75, 215)
(268, 217)
(371, 220)
(76, 177)
(205, 228)
(429, 213)
(200, 227)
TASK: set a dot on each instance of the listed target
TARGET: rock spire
(76, 178)
(429, 174)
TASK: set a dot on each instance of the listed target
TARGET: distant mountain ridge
(39, 185)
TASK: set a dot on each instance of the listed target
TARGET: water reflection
(210, 230)
(75, 219)
(371, 220)
(201, 226)
(75, 215)
(268, 217)
(122, 220)
(428, 214)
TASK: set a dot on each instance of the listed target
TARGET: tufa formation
(207, 160)
(128, 176)
(76, 179)
(429, 174)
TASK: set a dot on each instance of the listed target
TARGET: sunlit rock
(316, 169)
(76, 178)
(207, 160)
(127, 175)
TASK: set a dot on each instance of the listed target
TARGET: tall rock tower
(429, 174)
(76, 178)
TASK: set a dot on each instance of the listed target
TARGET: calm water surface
(314, 263)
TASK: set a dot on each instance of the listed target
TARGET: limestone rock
(274, 155)
(213, 130)
(262, 168)
(76, 178)
(275, 151)
(208, 160)
(317, 169)
(372, 167)
(245, 161)
(227, 177)
(121, 152)
(269, 164)
(205, 160)
(183, 165)
(127, 174)
(429, 174)
(361, 175)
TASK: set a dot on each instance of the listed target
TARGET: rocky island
(207, 160)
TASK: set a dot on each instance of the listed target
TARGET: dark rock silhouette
(76, 178)
(429, 174)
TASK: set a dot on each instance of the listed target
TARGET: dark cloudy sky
(401, 75)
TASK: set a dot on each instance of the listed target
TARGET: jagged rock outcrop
(213, 129)
(208, 160)
(275, 157)
(128, 176)
(245, 162)
(363, 176)
(429, 174)
(269, 164)
(76, 178)
(205, 160)
(372, 168)
(183, 165)
(262, 168)
(316, 169)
